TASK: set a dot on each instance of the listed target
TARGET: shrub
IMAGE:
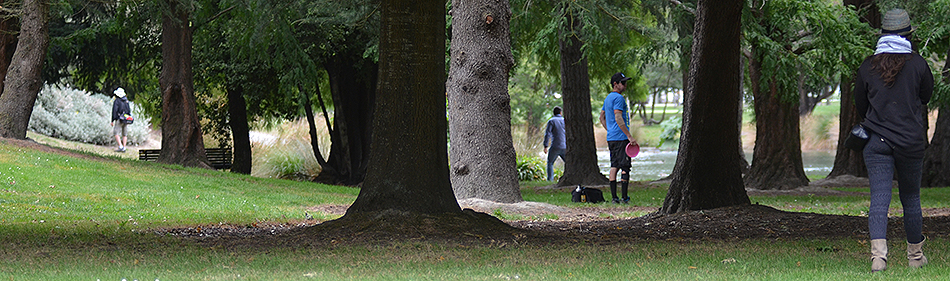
(76, 115)
(671, 129)
(530, 168)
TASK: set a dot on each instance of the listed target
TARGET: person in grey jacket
(555, 141)
(892, 88)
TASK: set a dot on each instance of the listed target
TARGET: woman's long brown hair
(889, 65)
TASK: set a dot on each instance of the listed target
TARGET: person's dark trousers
(882, 162)
(553, 154)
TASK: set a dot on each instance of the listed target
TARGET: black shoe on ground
(616, 201)
(626, 200)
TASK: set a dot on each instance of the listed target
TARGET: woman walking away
(891, 90)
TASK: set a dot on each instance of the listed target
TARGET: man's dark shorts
(618, 155)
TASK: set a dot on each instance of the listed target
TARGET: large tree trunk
(353, 84)
(580, 161)
(937, 156)
(409, 171)
(936, 165)
(847, 161)
(482, 155)
(9, 25)
(182, 141)
(708, 164)
(237, 120)
(23, 81)
(777, 156)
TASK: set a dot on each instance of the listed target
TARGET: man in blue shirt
(618, 135)
(555, 139)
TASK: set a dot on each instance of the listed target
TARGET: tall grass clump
(289, 155)
(80, 116)
(819, 132)
(527, 140)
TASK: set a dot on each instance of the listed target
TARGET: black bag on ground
(857, 139)
(587, 195)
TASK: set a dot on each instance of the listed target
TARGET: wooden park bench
(220, 157)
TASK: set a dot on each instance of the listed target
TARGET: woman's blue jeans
(882, 162)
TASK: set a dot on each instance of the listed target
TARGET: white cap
(119, 92)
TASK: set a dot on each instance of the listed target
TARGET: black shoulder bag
(857, 139)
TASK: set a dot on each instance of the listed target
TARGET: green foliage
(941, 97)
(97, 46)
(240, 52)
(531, 168)
(934, 34)
(534, 94)
(613, 33)
(813, 40)
(80, 116)
(671, 129)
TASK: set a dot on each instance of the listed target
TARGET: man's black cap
(618, 77)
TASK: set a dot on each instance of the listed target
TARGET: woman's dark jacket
(896, 113)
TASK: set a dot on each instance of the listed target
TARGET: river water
(652, 164)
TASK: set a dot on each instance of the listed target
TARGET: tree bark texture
(777, 156)
(237, 121)
(580, 161)
(353, 84)
(23, 80)
(937, 156)
(182, 141)
(9, 26)
(482, 156)
(409, 170)
(709, 161)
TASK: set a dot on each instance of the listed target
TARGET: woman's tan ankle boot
(878, 255)
(915, 254)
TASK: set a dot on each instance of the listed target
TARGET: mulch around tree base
(732, 223)
(469, 227)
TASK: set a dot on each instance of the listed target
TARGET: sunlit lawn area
(87, 218)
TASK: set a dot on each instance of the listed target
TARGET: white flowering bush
(80, 116)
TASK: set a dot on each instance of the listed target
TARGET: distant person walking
(891, 90)
(618, 135)
(555, 141)
(120, 107)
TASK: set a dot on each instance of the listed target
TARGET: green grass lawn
(83, 217)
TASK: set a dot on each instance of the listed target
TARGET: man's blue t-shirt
(613, 102)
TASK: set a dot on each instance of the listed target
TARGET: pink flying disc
(633, 149)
